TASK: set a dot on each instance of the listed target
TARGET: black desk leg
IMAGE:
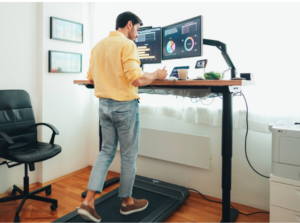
(228, 215)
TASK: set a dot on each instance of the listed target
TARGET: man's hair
(125, 17)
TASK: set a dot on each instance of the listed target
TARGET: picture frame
(64, 62)
(201, 64)
(65, 30)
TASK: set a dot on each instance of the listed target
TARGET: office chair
(19, 145)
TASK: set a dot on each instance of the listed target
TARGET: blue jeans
(119, 121)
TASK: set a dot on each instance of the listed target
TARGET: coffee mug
(183, 73)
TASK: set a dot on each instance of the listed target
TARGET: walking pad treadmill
(164, 198)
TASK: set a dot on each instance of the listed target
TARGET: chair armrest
(50, 126)
(8, 140)
(55, 131)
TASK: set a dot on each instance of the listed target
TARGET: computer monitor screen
(182, 39)
(149, 45)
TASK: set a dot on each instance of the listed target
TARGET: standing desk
(226, 88)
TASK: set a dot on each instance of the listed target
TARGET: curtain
(264, 108)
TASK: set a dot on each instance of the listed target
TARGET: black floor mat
(110, 209)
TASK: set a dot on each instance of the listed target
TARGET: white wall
(25, 41)
(255, 42)
(65, 104)
(18, 70)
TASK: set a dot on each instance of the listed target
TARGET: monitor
(182, 39)
(149, 45)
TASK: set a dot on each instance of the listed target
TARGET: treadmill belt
(110, 209)
(164, 198)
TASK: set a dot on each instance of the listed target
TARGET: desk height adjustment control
(235, 89)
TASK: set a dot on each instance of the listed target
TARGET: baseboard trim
(37, 184)
(65, 176)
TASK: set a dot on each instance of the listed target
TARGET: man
(115, 70)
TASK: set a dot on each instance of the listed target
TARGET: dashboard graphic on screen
(183, 39)
(149, 45)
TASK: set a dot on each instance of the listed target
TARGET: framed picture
(64, 62)
(61, 29)
(201, 64)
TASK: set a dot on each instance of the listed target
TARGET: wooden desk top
(188, 82)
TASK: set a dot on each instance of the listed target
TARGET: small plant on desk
(212, 76)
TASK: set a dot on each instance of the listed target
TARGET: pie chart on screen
(171, 47)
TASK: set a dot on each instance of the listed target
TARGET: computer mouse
(172, 78)
(199, 78)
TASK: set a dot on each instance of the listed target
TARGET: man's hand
(148, 78)
(162, 74)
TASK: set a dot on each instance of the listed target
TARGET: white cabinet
(286, 149)
(284, 199)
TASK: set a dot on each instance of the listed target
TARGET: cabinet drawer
(285, 196)
(282, 215)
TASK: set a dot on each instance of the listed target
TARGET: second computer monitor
(149, 45)
(182, 39)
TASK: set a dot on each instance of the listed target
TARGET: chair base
(30, 195)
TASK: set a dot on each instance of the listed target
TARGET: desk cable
(246, 138)
(220, 202)
(237, 94)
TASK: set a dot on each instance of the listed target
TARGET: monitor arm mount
(221, 46)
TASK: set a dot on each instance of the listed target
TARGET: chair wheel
(53, 207)
(48, 192)
(17, 218)
(13, 192)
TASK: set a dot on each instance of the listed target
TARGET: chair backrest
(16, 116)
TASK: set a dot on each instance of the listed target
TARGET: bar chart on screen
(149, 45)
(146, 52)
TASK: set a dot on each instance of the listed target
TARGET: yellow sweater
(114, 65)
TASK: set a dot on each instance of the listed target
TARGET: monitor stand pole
(228, 214)
(221, 46)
